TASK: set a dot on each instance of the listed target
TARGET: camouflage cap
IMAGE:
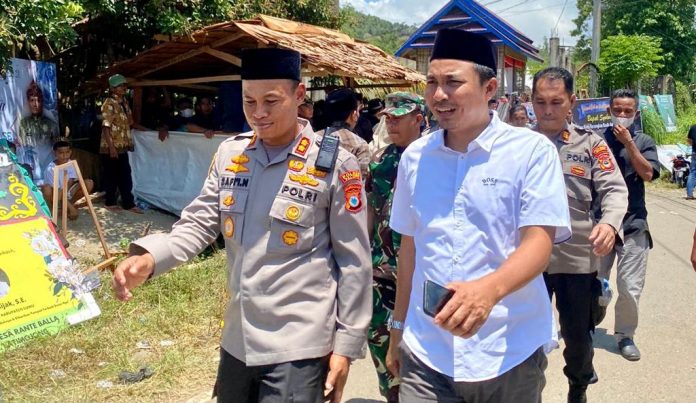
(116, 80)
(402, 103)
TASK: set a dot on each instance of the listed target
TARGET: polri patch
(353, 193)
(304, 195)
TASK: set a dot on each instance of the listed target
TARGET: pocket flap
(233, 201)
(292, 212)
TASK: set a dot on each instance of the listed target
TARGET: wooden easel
(63, 191)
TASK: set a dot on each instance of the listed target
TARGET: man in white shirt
(479, 204)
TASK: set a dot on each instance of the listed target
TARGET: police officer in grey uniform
(591, 173)
(293, 218)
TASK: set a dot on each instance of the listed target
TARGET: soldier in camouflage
(404, 114)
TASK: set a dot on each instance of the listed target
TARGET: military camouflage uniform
(385, 245)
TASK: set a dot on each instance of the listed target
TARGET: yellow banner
(37, 281)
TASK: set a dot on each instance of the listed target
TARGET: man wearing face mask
(636, 156)
(185, 121)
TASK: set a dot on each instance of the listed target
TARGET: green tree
(533, 66)
(109, 30)
(388, 36)
(670, 20)
(627, 59)
(33, 27)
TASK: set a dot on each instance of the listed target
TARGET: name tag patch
(583, 159)
(577, 170)
(231, 182)
(304, 195)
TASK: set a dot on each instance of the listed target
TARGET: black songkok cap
(270, 64)
(458, 44)
(340, 104)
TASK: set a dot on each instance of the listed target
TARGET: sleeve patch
(601, 153)
(349, 176)
(353, 194)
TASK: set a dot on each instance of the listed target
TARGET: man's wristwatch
(395, 324)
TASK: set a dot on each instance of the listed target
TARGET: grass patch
(185, 306)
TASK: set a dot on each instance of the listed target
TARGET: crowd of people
(412, 238)
(390, 223)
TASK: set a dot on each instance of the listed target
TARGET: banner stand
(63, 192)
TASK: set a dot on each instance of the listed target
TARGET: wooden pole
(64, 194)
(90, 207)
(56, 189)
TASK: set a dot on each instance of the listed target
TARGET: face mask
(625, 122)
(187, 113)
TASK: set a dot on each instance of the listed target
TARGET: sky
(534, 18)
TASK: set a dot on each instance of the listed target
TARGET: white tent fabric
(170, 174)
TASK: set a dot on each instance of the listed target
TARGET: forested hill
(389, 36)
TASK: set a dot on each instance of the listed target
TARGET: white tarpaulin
(666, 153)
(170, 174)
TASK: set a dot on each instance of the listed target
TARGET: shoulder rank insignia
(252, 142)
(302, 146)
(565, 136)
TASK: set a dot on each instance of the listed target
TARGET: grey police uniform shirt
(298, 257)
(590, 172)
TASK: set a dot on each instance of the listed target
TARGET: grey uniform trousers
(630, 278)
(289, 382)
(523, 383)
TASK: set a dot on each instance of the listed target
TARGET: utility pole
(554, 51)
(596, 39)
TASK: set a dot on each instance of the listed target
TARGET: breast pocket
(292, 226)
(231, 205)
(578, 186)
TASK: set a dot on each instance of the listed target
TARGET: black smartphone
(435, 297)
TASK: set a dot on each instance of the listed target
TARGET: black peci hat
(458, 44)
(270, 64)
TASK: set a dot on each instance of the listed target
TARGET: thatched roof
(212, 54)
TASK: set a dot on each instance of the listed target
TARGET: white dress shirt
(465, 212)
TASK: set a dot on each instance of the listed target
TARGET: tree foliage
(109, 30)
(533, 66)
(672, 21)
(627, 59)
(388, 36)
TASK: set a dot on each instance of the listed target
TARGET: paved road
(666, 336)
